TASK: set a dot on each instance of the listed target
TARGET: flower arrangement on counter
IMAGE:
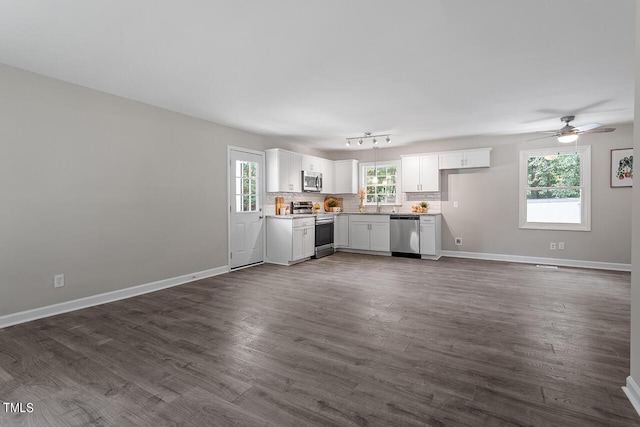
(361, 195)
(421, 207)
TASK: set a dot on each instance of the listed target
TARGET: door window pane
(247, 186)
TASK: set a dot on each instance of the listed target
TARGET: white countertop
(347, 213)
(386, 213)
(294, 216)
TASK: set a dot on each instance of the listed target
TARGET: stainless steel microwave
(311, 181)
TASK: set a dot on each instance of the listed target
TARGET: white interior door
(246, 190)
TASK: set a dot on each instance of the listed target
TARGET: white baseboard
(539, 260)
(64, 307)
(633, 393)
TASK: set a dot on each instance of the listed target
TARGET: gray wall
(487, 216)
(635, 273)
(112, 193)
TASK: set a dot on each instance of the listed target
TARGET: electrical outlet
(458, 241)
(561, 246)
(58, 280)
(552, 246)
(455, 204)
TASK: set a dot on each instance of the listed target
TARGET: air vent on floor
(555, 267)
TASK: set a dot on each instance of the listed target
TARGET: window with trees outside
(246, 186)
(555, 188)
(380, 181)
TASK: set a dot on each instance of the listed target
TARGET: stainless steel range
(324, 228)
(324, 235)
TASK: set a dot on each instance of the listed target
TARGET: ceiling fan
(569, 133)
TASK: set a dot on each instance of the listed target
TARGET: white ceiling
(320, 71)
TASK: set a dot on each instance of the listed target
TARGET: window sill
(555, 226)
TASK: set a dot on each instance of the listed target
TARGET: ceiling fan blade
(588, 127)
(598, 130)
(542, 137)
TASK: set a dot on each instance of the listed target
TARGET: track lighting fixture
(368, 135)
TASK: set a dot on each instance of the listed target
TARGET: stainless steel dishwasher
(405, 235)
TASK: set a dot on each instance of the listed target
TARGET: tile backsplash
(351, 201)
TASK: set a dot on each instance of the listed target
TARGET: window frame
(385, 163)
(585, 188)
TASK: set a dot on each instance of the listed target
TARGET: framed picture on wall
(622, 168)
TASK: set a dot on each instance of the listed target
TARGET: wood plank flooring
(344, 340)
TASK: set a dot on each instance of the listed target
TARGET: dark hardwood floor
(344, 340)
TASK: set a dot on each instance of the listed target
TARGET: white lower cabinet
(358, 235)
(341, 231)
(430, 236)
(369, 232)
(290, 240)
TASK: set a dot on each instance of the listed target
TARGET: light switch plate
(58, 280)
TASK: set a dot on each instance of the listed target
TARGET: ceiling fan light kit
(369, 136)
(566, 139)
(569, 133)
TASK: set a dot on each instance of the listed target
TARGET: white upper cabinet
(283, 171)
(478, 158)
(346, 177)
(311, 163)
(323, 166)
(420, 173)
(410, 174)
(328, 176)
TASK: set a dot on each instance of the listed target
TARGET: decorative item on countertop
(421, 207)
(316, 207)
(332, 204)
(361, 195)
(280, 204)
(332, 200)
